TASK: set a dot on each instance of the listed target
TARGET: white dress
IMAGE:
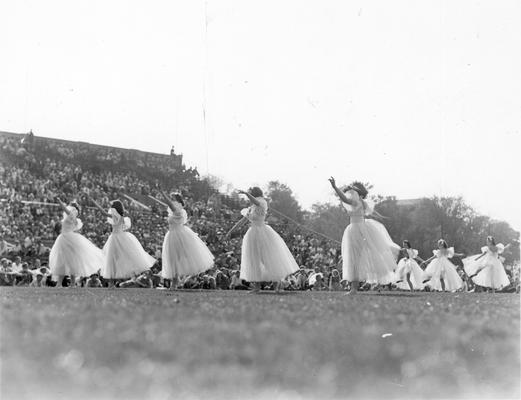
(72, 253)
(492, 274)
(265, 256)
(409, 266)
(442, 268)
(368, 252)
(184, 253)
(124, 255)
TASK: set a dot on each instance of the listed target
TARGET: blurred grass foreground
(145, 344)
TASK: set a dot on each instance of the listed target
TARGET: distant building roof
(125, 150)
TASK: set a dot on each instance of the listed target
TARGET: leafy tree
(283, 200)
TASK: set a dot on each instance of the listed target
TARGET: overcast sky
(420, 98)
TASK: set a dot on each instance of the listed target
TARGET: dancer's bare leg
(354, 287)
(409, 282)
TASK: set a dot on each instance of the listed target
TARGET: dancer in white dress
(409, 273)
(441, 273)
(368, 252)
(265, 256)
(124, 255)
(72, 254)
(184, 253)
(487, 268)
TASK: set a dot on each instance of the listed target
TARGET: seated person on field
(7, 276)
(236, 282)
(144, 280)
(25, 276)
(221, 281)
(93, 281)
(38, 280)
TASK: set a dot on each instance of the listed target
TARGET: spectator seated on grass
(222, 282)
(334, 281)
(144, 280)
(25, 276)
(208, 283)
(316, 281)
(17, 264)
(7, 276)
(40, 277)
(93, 281)
(236, 283)
(301, 280)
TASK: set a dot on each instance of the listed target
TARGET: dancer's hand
(332, 181)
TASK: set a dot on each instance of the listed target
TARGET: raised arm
(339, 192)
(63, 205)
(250, 197)
(107, 214)
(168, 201)
(157, 200)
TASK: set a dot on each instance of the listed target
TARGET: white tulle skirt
(265, 256)
(492, 274)
(409, 266)
(124, 257)
(442, 268)
(73, 254)
(367, 253)
(184, 253)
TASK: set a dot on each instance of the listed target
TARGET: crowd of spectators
(34, 171)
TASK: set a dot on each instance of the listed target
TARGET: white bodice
(413, 253)
(119, 223)
(71, 222)
(356, 211)
(256, 214)
(499, 250)
(178, 217)
(444, 253)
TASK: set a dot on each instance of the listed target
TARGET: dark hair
(178, 198)
(118, 206)
(75, 205)
(491, 239)
(402, 254)
(443, 243)
(407, 243)
(255, 191)
(359, 188)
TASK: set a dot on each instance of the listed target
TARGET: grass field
(136, 343)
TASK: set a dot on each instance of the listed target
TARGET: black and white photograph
(277, 200)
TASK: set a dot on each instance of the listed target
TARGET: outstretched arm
(339, 192)
(167, 200)
(157, 201)
(250, 197)
(63, 205)
(428, 260)
(99, 207)
(460, 254)
(478, 257)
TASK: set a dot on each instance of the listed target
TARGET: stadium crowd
(34, 171)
